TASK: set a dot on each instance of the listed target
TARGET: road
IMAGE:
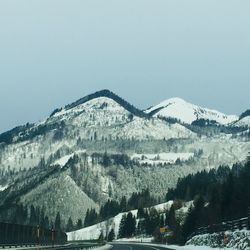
(131, 246)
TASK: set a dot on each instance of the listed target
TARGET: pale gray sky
(53, 52)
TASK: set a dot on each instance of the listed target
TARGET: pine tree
(42, 218)
(58, 222)
(111, 235)
(46, 222)
(101, 237)
(86, 220)
(140, 213)
(122, 229)
(194, 217)
(33, 219)
(70, 225)
(79, 224)
(130, 225)
(123, 204)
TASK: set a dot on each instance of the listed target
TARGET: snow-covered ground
(175, 247)
(239, 239)
(189, 247)
(106, 247)
(63, 160)
(93, 232)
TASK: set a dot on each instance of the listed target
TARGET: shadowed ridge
(109, 94)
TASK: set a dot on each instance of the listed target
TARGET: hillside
(101, 147)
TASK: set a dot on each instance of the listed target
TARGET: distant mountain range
(101, 147)
(175, 108)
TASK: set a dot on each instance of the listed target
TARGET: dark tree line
(127, 226)
(226, 193)
(111, 159)
(71, 226)
(29, 215)
(149, 222)
(111, 208)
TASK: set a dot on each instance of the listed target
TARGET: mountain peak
(245, 114)
(187, 112)
(103, 93)
(173, 100)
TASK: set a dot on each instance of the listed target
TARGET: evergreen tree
(152, 221)
(140, 213)
(122, 227)
(130, 225)
(111, 235)
(123, 204)
(87, 220)
(42, 218)
(58, 222)
(70, 226)
(193, 219)
(101, 238)
(46, 222)
(140, 230)
(33, 220)
(79, 224)
(106, 160)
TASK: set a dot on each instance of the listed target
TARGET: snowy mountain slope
(107, 94)
(98, 119)
(187, 112)
(86, 130)
(245, 121)
(72, 202)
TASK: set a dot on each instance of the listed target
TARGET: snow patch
(2, 188)
(63, 160)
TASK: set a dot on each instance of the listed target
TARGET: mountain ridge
(108, 150)
(187, 112)
(158, 110)
(104, 93)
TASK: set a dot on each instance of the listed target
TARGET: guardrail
(51, 247)
(242, 223)
(76, 247)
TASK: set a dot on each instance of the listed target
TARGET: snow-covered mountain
(186, 112)
(103, 117)
(244, 119)
(243, 122)
(102, 147)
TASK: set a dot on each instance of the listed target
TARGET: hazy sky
(53, 52)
